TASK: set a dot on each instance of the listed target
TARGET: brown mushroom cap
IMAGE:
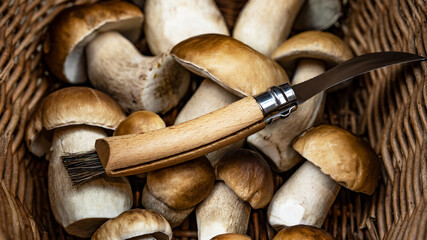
(229, 62)
(231, 236)
(184, 185)
(74, 27)
(302, 232)
(344, 157)
(315, 45)
(135, 223)
(248, 175)
(71, 106)
(140, 122)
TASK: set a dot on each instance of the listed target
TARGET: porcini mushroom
(95, 40)
(222, 212)
(170, 22)
(248, 175)
(334, 157)
(302, 232)
(135, 224)
(234, 70)
(139, 122)
(264, 25)
(313, 52)
(76, 117)
(175, 191)
(249, 180)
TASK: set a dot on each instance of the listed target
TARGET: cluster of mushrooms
(112, 89)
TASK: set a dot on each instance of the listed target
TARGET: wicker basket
(387, 107)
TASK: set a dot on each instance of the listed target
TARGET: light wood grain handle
(126, 155)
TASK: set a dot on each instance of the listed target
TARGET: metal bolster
(278, 98)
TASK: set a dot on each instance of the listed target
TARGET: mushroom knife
(138, 153)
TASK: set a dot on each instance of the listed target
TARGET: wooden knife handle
(127, 154)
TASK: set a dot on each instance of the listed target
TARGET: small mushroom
(264, 25)
(175, 191)
(248, 175)
(334, 157)
(170, 22)
(95, 41)
(245, 178)
(74, 27)
(302, 232)
(139, 122)
(231, 236)
(232, 69)
(76, 117)
(318, 15)
(313, 52)
(135, 224)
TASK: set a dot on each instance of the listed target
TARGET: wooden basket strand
(394, 114)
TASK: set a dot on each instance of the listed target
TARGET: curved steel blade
(349, 69)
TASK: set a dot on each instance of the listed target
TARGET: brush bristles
(82, 167)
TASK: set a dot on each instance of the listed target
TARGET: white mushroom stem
(135, 81)
(175, 217)
(222, 212)
(264, 25)
(169, 22)
(305, 198)
(209, 97)
(81, 210)
(276, 139)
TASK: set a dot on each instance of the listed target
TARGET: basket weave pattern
(387, 106)
(392, 104)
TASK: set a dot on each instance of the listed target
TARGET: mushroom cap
(140, 122)
(312, 44)
(302, 232)
(230, 63)
(247, 173)
(135, 223)
(70, 106)
(318, 14)
(184, 185)
(344, 157)
(231, 236)
(76, 26)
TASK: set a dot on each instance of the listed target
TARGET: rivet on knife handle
(278, 98)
